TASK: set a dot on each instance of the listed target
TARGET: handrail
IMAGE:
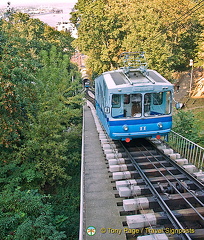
(188, 149)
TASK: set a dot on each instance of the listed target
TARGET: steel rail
(162, 204)
(195, 197)
(189, 176)
(199, 184)
(89, 98)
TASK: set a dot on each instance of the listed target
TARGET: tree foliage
(41, 112)
(185, 124)
(27, 215)
(168, 32)
(200, 46)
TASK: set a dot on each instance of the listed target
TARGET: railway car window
(116, 100)
(116, 111)
(157, 103)
(147, 103)
(157, 98)
(126, 99)
(168, 102)
(100, 95)
(136, 110)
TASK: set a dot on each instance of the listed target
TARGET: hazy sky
(33, 2)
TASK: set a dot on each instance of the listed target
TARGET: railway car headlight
(159, 125)
(125, 127)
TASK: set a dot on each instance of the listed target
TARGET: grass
(196, 106)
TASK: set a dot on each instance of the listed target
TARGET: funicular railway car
(86, 82)
(133, 101)
(85, 78)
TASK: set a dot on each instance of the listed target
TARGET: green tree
(41, 114)
(27, 215)
(166, 30)
(48, 140)
(100, 33)
(185, 124)
(200, 43)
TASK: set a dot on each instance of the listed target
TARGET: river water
(52, 19)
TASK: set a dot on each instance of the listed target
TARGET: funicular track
(157, 183)
(89, 94)
(157, 197)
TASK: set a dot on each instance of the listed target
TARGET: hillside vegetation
(189, 120)
(169, 32)
(40, 132)
(41, 103)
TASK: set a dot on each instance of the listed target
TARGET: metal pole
(191, 80)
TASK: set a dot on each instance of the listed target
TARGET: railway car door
(132, 105)
(126, 105)
(136, 109)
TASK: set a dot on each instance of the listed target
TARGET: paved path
(184, 86)
(101, 209)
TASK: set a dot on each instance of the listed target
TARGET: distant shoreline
(48, 17)
(52, 18)
(37, 4)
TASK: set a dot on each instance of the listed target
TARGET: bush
(27, 215)
(184, 123)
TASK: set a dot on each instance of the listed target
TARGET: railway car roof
(134, 77)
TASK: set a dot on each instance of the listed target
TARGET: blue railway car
(86, 83)
(85, 78)
(134, 102)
